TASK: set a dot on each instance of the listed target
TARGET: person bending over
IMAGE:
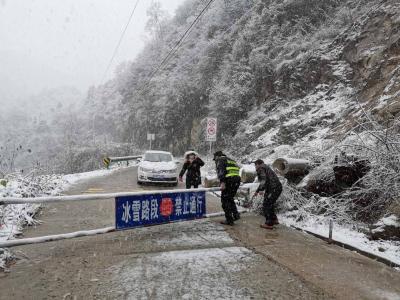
(272, 189)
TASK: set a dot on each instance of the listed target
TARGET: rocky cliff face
(374, 55)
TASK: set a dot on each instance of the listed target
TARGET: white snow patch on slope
(391, 220)
(323, 105)
(267, 138)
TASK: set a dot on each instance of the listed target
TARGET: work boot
(230, 223)
(266, 226)
(236, 217)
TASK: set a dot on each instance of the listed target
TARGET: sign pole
(151, 137)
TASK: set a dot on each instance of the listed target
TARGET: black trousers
(192, 182)
(269, 205)
(227, 198)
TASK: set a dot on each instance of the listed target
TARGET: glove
(180, 179)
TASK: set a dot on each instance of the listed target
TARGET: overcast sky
(48, 43)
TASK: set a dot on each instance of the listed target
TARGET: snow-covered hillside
(273, 72)
(323, 89)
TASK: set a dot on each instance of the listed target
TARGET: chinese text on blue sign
(144, 210)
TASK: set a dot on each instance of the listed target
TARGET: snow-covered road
(188, 260)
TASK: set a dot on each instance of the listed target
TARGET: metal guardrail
(109, 160)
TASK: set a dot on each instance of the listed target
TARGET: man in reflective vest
(229, 177)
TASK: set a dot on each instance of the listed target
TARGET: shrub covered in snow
(379, 189)
(357, 183)
(14, 217)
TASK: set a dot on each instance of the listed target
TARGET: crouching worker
(191, 167)
(272, 189)
(228, 175)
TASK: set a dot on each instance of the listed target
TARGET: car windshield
(158, 157)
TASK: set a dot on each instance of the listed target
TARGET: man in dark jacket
(191, 166)
(272, 189)
(228, 175)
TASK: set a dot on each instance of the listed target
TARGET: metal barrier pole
(56, 237)
(71, 235)
(93, 197)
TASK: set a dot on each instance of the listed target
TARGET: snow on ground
(391, 220)
(182, 270)
(184, 237)
(345, 234)
(14, 217)
(71, 179)
(194, 274)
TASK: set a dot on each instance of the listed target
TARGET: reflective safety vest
(232, 168)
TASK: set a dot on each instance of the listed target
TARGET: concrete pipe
(211, 181)
(291, 166)
(248, 173)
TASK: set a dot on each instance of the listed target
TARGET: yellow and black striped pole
(107, 162)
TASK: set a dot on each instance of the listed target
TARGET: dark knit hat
(218, 154)
(259, 162)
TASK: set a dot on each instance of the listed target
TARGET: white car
(157, 167)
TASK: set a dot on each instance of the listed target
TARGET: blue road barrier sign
(145, 210)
